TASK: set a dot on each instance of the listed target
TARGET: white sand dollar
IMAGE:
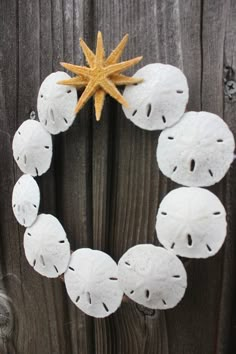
(192, 222)
(46, 246)
(32, 148)
(92, 284)
(160, 100)
(56, 103)
(152, 276)
(25, 200)
(197, 151)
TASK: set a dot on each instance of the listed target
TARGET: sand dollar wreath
(195, 149)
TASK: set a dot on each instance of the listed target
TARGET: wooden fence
(104, 184)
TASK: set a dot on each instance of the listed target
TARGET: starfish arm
(111, 89)
(99, 99)
(117, 52)
(100, 49)
(88, 92)
(120, 79)
(89, 55)
(74, 81)
(116, 68)
(78, 70)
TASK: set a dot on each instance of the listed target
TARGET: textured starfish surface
(102, 76)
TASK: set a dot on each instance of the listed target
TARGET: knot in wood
(146, 311)
(33, 115)
(6, 317)
(230, 88)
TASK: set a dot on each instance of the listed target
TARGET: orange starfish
(102, 75)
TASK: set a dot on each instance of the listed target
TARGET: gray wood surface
(104, 184)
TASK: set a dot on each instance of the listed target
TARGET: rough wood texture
(104, 183)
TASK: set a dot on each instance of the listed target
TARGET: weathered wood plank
(227, 314)
(51, 48)
(131, 201)
(19, 97)
(73, 165)
(197, 316)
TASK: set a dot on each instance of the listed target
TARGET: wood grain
(104, 184)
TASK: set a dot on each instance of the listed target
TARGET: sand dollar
(197, 151)
(46, 246)
(152, 276)
(192, 222)
(160, 100)
(92, 283)
(32, 148)
(25, 200)
(56, 103)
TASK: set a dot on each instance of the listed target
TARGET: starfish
(102, 76)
